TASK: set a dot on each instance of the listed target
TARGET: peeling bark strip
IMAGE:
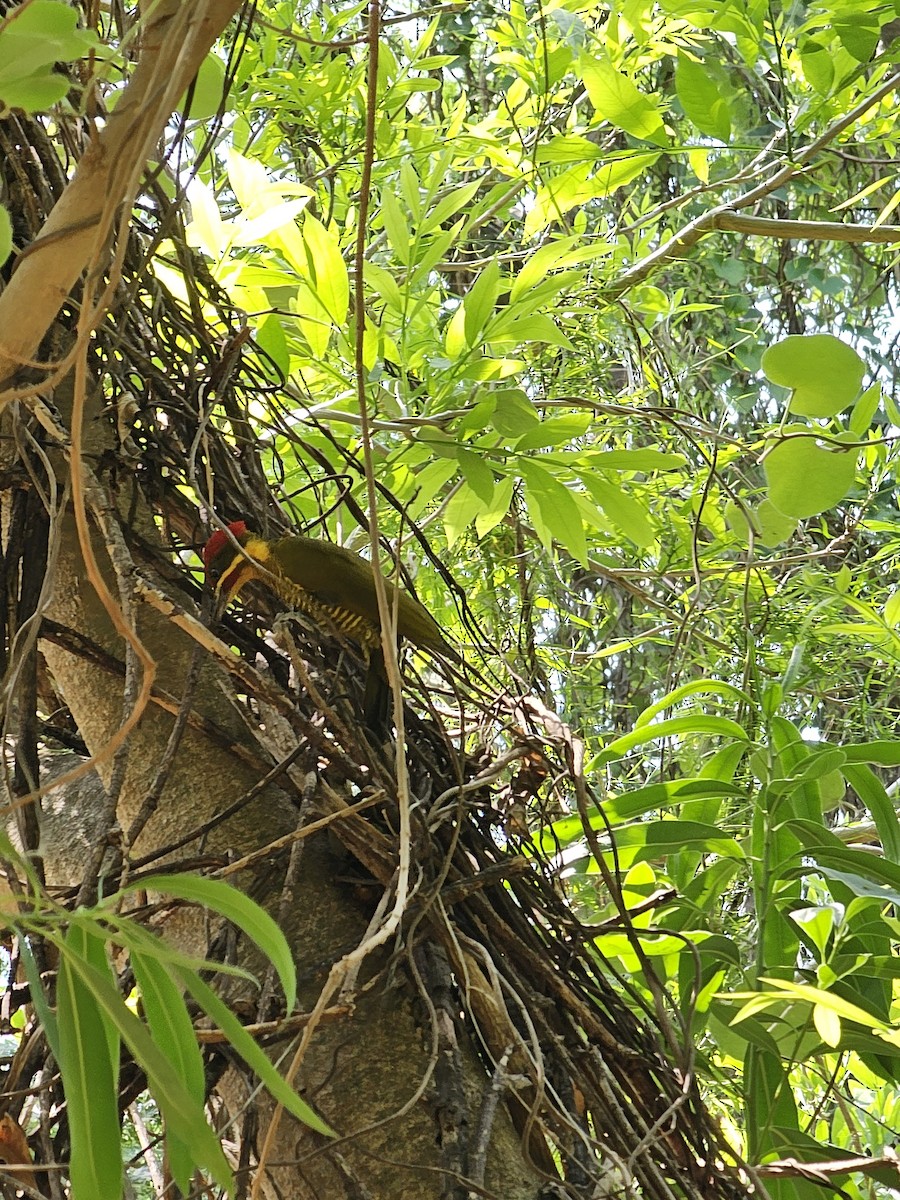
(175, 40)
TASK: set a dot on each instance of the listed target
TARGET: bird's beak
(220, 603)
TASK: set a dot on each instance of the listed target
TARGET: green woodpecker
(333, 586)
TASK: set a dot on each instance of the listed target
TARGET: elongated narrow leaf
(480, 300)
(829, 852)
(859, 886)
(46, 1015)
(553, 510)
(828, 1000)
(396, 226)
(89, 1077)
(241, 911)
(873, 794)
(178, 1107)
(696, 687)
(882, 754)
(698, 724)
(667, 837)
(252, 1055)
(488, 518)
(172, 1030)
(332, 280)
(460, 511)
(450, 205)
(622, 507)
(6, 237)
(664, 795)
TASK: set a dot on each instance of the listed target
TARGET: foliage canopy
(590, 312)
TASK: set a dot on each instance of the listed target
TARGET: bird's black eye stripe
(214, 574)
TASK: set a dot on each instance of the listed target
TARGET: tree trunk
(371, 1070)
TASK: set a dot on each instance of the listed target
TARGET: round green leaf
(35, 93)
(805, 477)
(770, 527)
(774, 526)
(824, 372)
(209, 87)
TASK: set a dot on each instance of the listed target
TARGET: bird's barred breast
(351, 625)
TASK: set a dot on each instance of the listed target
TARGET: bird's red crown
(220, 540)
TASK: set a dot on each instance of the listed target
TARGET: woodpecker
(333, 586)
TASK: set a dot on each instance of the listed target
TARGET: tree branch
(683, 241)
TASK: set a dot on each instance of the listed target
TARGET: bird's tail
(377, 697)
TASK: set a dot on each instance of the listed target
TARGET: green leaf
(554, 256)
(332, 280)
(617, 100)
(429, 481)
(873, 794)
(859, 886)
(701, 96)
(460, 511)
(554, 511)
(90, 1072)
(514, 414)
(35, 93)
(270, 338)
(209, 92)
(664, 795)
(695, 687)
(864, 411)
(396, 226)
(618, 173)
(478, 473)
(535, 328)
(555, 431)
(828, 1000)
(39, 34)
(621, 506)
(817, 64)
(774, 526)
(244, 1045)
(859, 36)
(667, 837)
(636, 460)
(46, 1015)
(450, 205)
(696, 723)
(881, 753)
(173, 1032)
(830, 855)
(568, 148)
(480, 300)
(628, 805)
(238, 908)
(383, 284)
(33, 40)
(491, 516)
(824, 372)
(178, 1108)
(804, 477)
